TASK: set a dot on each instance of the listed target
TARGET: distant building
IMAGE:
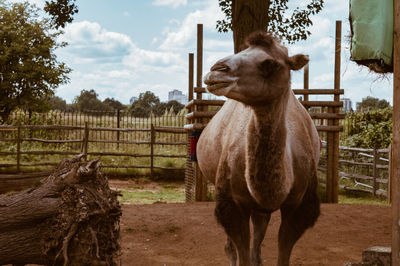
(131, 100)
(347, 105)
(178, 96)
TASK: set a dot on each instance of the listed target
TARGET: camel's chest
(223, 141)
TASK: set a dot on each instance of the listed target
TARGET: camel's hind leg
(235, 221)
(295, 222)
(260, 222)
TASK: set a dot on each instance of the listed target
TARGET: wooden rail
(85, 145)
(195, 102)
(318, 91)
(376, 166)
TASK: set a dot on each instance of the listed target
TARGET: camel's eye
(269, 67)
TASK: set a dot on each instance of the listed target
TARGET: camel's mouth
(214, 86)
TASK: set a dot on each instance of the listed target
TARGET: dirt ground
(187, 234)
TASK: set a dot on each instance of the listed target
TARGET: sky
(126, 47)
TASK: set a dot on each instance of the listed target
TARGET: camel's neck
(266, 145)
(267, 124)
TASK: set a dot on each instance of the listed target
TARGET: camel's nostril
(220, 67)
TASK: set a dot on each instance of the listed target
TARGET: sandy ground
(187, 234)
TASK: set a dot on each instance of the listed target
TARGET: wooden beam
(204, 102)
(395, 164)
(323, 103)
(306, 81)
(336, 86)
(202, 90)
(205, 114)
(327, 116)
(199, 62)
(317, 91)
(191, 75)
(329, 129)
(201, 189)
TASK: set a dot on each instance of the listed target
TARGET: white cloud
(172, 3)
(212, 44)
(89, 40)
(186, 32)
(113, 65)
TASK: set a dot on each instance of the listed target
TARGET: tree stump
(70, 218)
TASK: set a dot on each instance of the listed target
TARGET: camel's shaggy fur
(261, 150)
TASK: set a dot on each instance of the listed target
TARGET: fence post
(118, 125)
(152, 138)
(390, 185)
(85, 141)
(18, 148)
(375, 171)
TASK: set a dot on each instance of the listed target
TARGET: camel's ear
(296, 62)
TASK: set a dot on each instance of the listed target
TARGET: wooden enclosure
(325, 113)
(91, 141)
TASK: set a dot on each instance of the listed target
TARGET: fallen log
(70, 217)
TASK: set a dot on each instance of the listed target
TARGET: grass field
(144, 191)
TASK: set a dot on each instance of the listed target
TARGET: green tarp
(371, 23)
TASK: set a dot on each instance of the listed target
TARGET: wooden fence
(32, 142)
(367, 170)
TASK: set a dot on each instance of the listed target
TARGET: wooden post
(152, 138)
(191, 75)
(199, 77)
(306, 81)
(19, 149)
(329, 168)
(201, 185)
(189, 172)
(332, 186)
(390, 184)
(395, 164)
(85, 141)
(375, 171)
(338, 45)
(118, 125)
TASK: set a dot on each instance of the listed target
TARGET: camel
(261, 150)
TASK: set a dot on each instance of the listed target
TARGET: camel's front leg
(295, 221)
(260, 222)
(233, 217)
(235, 221)
(230, 251)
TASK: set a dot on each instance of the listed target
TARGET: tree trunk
(70, 218)
(247, 17)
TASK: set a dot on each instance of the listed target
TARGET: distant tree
(61, 12)
(160, 109)
(29, 70)
(244, 17)
(372, 103)
(146, 104)
(371, 129)
(382, 104)
(57, 103)
(177, 106)
(88, 100)
(115, 104)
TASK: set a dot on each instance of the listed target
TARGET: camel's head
(257, 74)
